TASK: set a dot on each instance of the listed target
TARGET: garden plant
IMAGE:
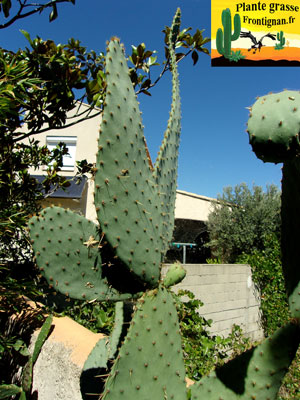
(119, 260)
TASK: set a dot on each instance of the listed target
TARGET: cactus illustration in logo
(281, 39)
(225, 37)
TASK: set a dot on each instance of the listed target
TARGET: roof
(73, 191)
(197, 196)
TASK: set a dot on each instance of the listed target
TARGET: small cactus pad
(150, 362)
(98, 358)
(27, 373)
(67, 254)
(42, 337)
(117, 329)
(274, 126)
(290, 216)
(256, 374)
(94, 366)
(176, 273)
(135, 204)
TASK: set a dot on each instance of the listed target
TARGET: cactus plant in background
(281, 39)
(273, 128)
(121, 259)
(225, 37)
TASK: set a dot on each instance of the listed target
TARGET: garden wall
(228, 294)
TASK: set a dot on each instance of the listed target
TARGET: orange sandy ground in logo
(267, 53)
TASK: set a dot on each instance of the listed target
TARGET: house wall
(87, 133)
(192, 206)
(188, 205)
(228, 294)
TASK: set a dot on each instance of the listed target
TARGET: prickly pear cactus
(135, 207)
(273, 128)
(175, 274)
(66, 247)
(135, 203)
(126, 194)
(290, 215)
(150, 361)
(256, 374)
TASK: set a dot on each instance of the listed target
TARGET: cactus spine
(224, 39)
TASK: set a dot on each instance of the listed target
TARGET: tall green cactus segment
(135, 203)
(165, 168)
(224, 39)
(67, 254)
(256, 374)
(150, 362)
(290, 215)
(274, 128)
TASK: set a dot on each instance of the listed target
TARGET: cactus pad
(165, 168)
(274, 126)
(67, 254)
(135, 204)
(150, 362)
(256, 374)
(125, 190)
(290, 213)
(176, 273)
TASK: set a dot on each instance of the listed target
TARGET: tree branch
(38, 9)
(28, 134)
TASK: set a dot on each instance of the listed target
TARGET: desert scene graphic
(255, 34)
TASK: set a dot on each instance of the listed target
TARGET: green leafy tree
(241, 220)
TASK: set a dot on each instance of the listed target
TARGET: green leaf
(195, 57)
(21, 347)
(9, 390)
(6, 6)
(27, 36)
(54, 14)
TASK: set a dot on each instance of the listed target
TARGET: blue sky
(214, 149)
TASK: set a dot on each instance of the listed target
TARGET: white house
(191, 210)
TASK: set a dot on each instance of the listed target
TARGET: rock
(56, 373)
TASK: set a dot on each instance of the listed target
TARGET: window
(70, 141)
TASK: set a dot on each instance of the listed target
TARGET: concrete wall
(228, 294)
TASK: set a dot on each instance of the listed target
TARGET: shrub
(267, 275)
